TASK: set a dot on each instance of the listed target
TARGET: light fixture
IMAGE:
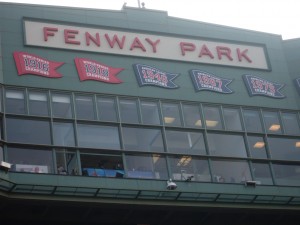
(297, 144)
(259, 144)
(171, 185)
(211, 123)
(156, 158)
(198, 123)
(184, 160)
(251, 183)
(169, 119)
(5, 166)
(274, 127)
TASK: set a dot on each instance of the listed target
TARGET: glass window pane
(1, 154)
(107, 109)
(30, 160)
(61, 105)
(84, 107)
(232, 119)
(150, 113)
(291, 123)
(28, 131)
(212, 117)
(186, 167)
(185, 142)
(230, 171)
(63, 134)
(171, 114)
(15, 101)
(226, 145)
(287, 174)
(252, 120)
(192, 116)
(143, 139)
(262, 173)
(272, 123)
(257, 147)
(146, 166)
(38, 103)
(128, 110)
(66, 162)
(284, 148)
(97, 136)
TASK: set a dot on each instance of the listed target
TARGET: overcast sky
(272, 16)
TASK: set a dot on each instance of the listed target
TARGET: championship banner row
(146, 75)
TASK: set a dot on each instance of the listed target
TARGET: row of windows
(150, 112)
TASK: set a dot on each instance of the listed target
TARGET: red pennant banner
(93, 70)
(32, 64)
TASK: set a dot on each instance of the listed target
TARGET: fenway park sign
(61, 36)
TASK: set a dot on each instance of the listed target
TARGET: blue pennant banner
(297, 83)
(148, 75)
(259, 86)
(207, 81)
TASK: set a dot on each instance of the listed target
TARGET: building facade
(134, 117)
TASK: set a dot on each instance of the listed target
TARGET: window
(262, 173)
(287, 175)
(291, 123)
(192, 116)
(257, 147)
(212, 117)
(107, 109)
(98, 136)
(252, 120)
(150, 114)
(272, 123)
(232, 119)
(1, 154)
(30, 160)
(171, 115)
(146, 166)
(15, 101)
(85, 107)
(129, 111)
(143, 139)
(226, 145)
(185, 142)
(38, 103)
(186, 167)
(230, 171)
(63, 134)
(28, 131)
(61, 105)
(284, 148)
(66, 162)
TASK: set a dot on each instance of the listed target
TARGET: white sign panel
(144, 45)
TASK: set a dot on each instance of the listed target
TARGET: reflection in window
(61, 105)
(15, 101)
(272, 123)
(30, 160)
(171, 115)
(262, 173)
(142, 139)
(186, 167)
(85, 107)
(129, 111)
(192, 116)
(284, 148)
(150, 112)
(232, 119)
(252, 120)
(146, 166)
(185, 142)
(291, 123)
(287, 174)
(226, 145)
(107, 109)
(1, 154)
(97, 136)
(28, 131)
(63, 134)
(38, 103)
(212, 117)
(66, 162)
(257, 147)
(230, 171)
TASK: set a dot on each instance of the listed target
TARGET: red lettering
(153, 44)
(115, 40)
(187, 46)
(89, 38)
(221, 50)
(205, 51)
(137, 44)
(48, 31)
(243, 55)
(69, 35)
